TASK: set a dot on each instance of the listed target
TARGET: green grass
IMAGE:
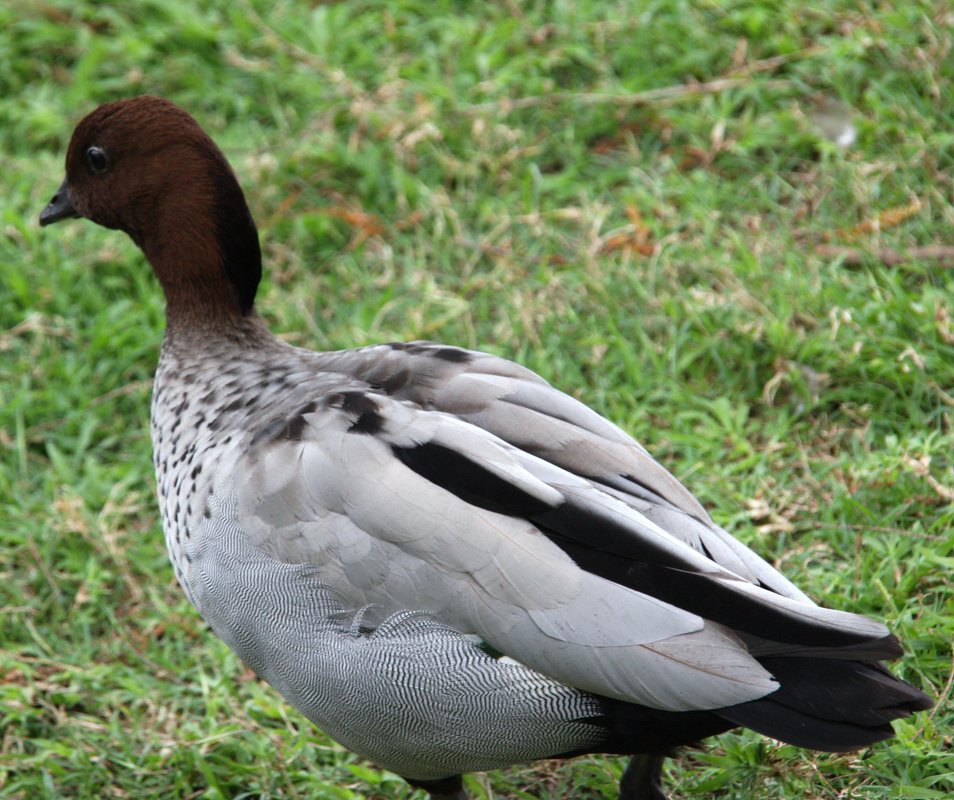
(658, 260)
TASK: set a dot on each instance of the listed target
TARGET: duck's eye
(96, 158)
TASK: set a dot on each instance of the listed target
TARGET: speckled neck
(193, 329)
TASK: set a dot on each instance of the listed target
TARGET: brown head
(144, 166)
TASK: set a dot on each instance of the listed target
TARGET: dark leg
(641, 780)
(444, 789)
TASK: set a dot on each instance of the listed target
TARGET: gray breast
(202, 417)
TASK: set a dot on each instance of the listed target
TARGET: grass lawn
(641, 201)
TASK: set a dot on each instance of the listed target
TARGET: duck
(444, 562)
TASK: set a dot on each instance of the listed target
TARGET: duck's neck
(206, 254)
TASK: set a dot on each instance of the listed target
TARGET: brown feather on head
(144, 166)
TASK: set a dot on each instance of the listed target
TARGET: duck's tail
(828, 704)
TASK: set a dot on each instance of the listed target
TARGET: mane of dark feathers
(236, 232)
(241, 253)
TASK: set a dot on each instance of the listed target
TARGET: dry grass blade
(889, 256)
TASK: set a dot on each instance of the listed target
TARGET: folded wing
(464, 486)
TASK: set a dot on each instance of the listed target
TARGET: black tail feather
(822, 704)
(828, 704)
(803, 730)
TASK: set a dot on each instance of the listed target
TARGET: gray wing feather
(336, 496)
(520, 407)
(483, 572)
